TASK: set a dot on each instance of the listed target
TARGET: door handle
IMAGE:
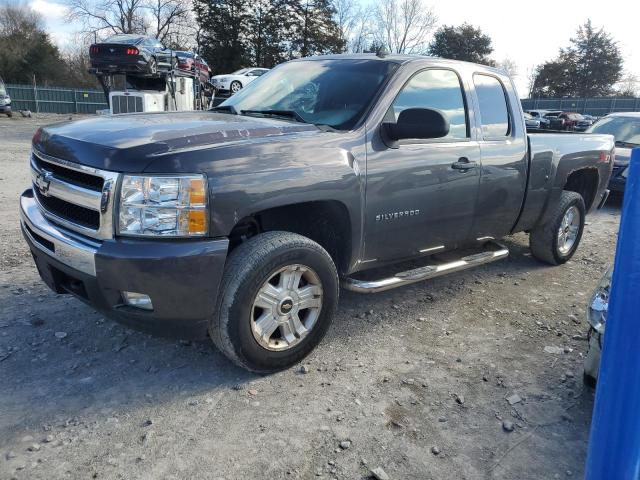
(464, 164)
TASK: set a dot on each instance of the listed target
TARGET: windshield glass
(327, 92)
(624, 129)
(3, 91)
(131, 39)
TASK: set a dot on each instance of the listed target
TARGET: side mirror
(418, 123)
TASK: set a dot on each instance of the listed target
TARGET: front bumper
(181, 276)
(592, 359)
(5, 108)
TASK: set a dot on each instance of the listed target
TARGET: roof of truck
(396, 58)
(624, 114)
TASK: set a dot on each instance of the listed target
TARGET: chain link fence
(55, 99)
(597, 106)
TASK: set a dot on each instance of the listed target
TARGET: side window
(494, 113)
(438, 90)
(257, 73)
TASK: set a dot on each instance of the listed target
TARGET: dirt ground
(414, 381)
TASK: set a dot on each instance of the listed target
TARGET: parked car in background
(625, 127)
(192, 62)
(132, 53)
(531, 123)
(5, 100)
(597, 311)
(234, 82)
(567, 121)
(540, 116)
(583, 124)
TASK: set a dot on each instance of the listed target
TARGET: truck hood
(129, 143)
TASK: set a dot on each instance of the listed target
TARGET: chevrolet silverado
(241, 222)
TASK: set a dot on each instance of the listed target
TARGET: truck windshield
(323, 92)
(626, 130)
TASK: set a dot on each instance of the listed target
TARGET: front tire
(556, 241)
(277, 299)
(235, 86)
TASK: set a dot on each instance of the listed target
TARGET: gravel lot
(414, 381)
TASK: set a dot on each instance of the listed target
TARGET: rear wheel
(277, 298)
(152, 66)
(556, 241)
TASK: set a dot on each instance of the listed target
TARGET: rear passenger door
(416, 202)
(503, 175)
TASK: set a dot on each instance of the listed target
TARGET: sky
(528, 32)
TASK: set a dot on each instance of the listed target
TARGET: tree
(509, 66)
(26, 48)
(629, 85)
(166, 20)
(464, 42)
(224, 35)
(589, 67)
(403, 25)
(315, 30)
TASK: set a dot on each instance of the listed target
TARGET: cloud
(49, 9)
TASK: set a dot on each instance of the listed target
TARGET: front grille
(75, 196)
(68, 211)
(74, 177)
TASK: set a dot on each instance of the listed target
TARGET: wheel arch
(584, 181)
(326, 222)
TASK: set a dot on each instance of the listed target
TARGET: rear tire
(556, 241)
(152, 66)
(268, 338)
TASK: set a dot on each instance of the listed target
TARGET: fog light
(138, 300)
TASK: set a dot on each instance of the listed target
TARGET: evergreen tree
(464, 42)
(224, 33)
(315, 31)
(590, 67)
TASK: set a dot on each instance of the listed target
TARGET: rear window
(494, 113)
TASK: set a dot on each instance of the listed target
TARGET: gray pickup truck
(241, 222)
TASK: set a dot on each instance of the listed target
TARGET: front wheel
(277, 298)
(235, 87)
(556, 241)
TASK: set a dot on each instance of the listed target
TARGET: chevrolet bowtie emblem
(43, 181)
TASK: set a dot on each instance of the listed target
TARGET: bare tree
(509, 66)
(403, 26)
(629, 86)
(355, 24)
(167, 20)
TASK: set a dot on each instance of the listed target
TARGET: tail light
(93, 50)
(132, 51)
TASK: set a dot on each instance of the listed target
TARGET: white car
(233, 82)
(597, 317)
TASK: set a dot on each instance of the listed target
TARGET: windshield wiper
(225, 109)
(276, 113)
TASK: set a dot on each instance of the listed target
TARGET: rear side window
(494, 113)
(438, 90)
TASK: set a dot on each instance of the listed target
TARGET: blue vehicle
(625, 127)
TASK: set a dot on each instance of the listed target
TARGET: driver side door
(418, 200)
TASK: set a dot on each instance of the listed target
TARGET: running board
(428, 271)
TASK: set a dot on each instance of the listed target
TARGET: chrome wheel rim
(568, 231)
(286, 308)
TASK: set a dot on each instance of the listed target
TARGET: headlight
(163, 206)
(599, 304)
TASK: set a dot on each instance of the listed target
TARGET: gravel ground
(421, 382)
